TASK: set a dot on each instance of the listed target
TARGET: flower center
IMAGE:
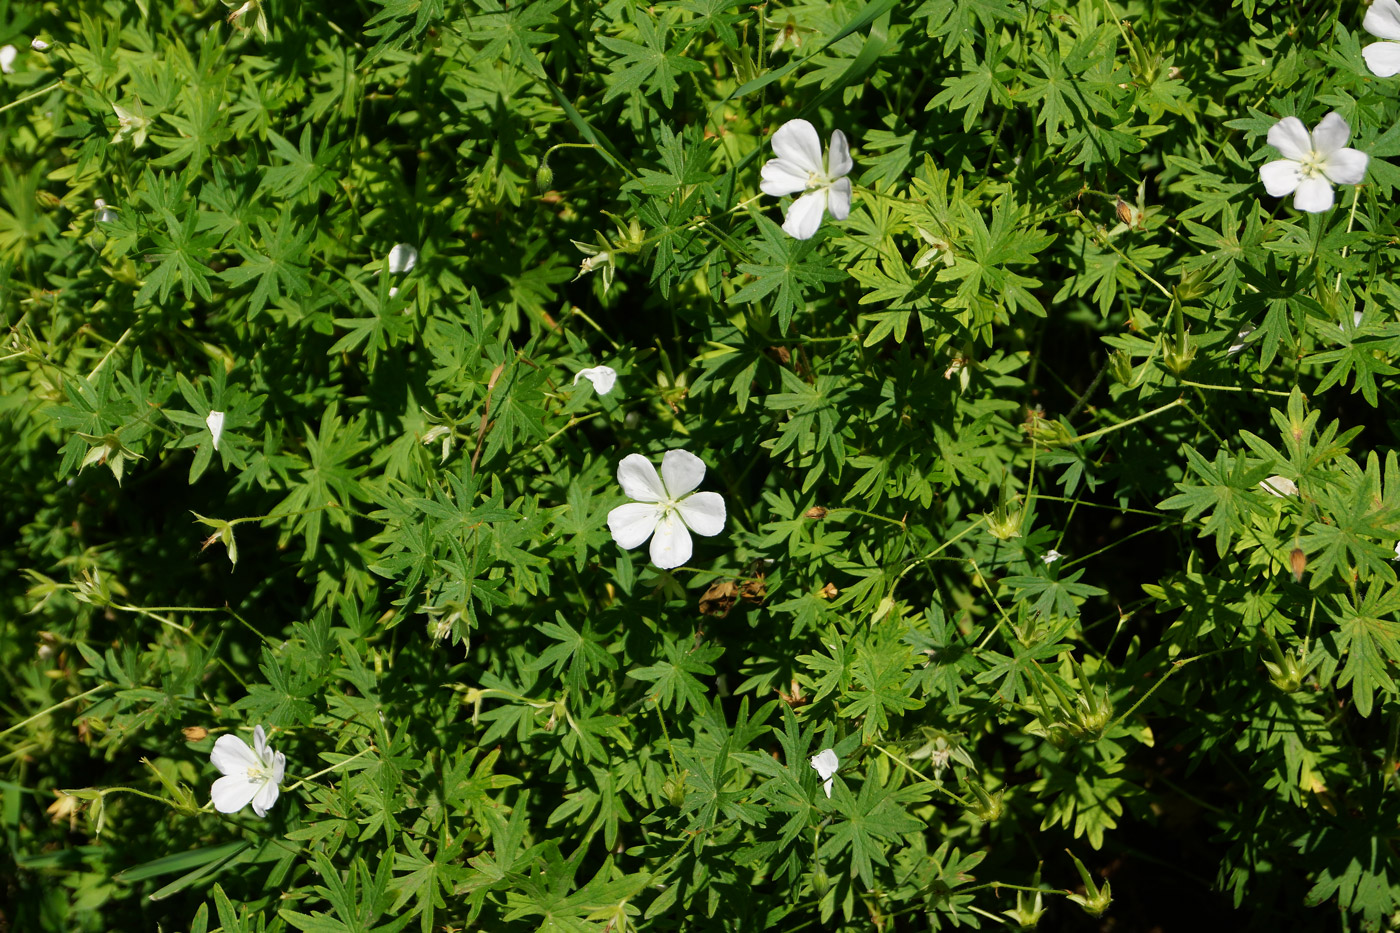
(259, 774)
(1311, 166)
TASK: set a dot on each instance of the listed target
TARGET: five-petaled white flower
(602, 377)
(1312, 162)
(251, 775)
(799, 168)
(1383, 21)
(826, 763)
(215, 423)
(8, 53)
(665, 506)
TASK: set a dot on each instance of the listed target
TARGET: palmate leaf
(1349, 541)
(1054, 596)
(873, 822)
(280, 272)
(673, 680)
(788, 269)
(1016, 672)
(1229, 493)
(1370, 637)
(881, 676)
(649, 63)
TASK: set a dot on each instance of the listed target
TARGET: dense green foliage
(1063, 315)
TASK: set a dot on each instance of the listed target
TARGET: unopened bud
(39, 45)
(544, 177)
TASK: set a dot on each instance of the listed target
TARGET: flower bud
(1094, 900)
(39, 45)
(544, 177)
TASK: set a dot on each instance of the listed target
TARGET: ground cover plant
(556, 465)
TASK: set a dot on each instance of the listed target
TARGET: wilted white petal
(1281, 177)
(231, 755)
(838, 157)
(703, 512)
(1383, 19)
(638, 479)
(838, 199)
(670, 545)
(602, 377)
(1291, 138)
(1279, 486)
(633, 523)
(1383, 58)
(215, 423)
(1314, 195)
(681, 471)
(1331, 134)
(402, 258)
(779, 178)
(7, 59)
(233, 792)
(796, 141)
(826, 764)
(1051, 556)
(804, 216)
(1346, 166)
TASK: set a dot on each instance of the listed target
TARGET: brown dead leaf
(719, 598)
(828, 592)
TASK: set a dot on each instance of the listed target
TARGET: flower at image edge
(1383, 21)
(665, 510)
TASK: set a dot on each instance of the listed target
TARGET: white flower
(798, 167)
(1397, 552)
(1383, 21)
(666, 506)
(105, 214)
(251, 775)
(38, 45)
(130, 125)
(215, 423)
(1051, 556)
(7, 58)
(602, 377)
(402, 258)
(1312, 163)
(1279, 486)
(826, 763)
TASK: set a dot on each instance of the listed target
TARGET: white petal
(1383, 20)
(633, 523)
(703, 512)
(1279, 486)
(1346, 166)
(38, 45)
(826, 786)
(215, 423)
(1356, 319)
(1397, 552)
(1281, 176)
(260, 745)
(796, 142)
(1051, 556)
(638, 479)
(670, 546)
(1314, 195)
(265, 798)
(402, 258)
(1290, 137)
(7, 59)
(279, 767)
(780, 178)
(1383, 58)
(681, 471)
(602, 377)
(838, 199)
(233, 792)
(838, 157)
(826, 763)
(804, 216)
(231, 755)
(1331, 134)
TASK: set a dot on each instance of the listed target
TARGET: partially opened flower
(215, 423)
(8, 53)
(402, 258)
(1279, 486)
(799, 168)
(826, 763)
(38, 45)
(1383, 21)
(665, 506)
(602, 377)
(251, 775)
(1312, 162)
(131, 124)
